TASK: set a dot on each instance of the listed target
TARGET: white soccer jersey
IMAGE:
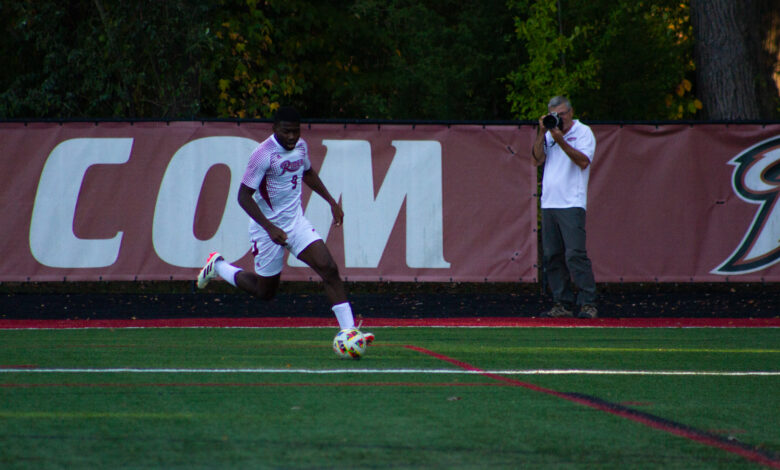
(564, 184)
(277, 175)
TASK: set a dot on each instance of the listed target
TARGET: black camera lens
(551, 121)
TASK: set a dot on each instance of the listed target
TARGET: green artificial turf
(249, 398)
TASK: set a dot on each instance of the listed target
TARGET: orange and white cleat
(369, 338)
(208, 272)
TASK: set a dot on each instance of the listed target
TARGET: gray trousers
(564, 256)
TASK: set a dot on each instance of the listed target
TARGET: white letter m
(415, 175)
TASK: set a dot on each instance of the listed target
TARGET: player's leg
(264, 287)
(318, 257)
(304, 242)
(268, 261)
(263, 283)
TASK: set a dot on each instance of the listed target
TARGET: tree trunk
(734, 77)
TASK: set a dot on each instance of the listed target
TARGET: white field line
(22, 370)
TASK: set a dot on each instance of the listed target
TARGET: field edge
(318, 322)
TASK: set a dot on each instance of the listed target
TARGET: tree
(104, 58)
(436, 59)
(394, 59)
(385, 59)
(732, 77)
(616, 59)
(257, 63)
(547, 72)
(646, 63)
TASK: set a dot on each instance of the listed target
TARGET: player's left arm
(312, 180)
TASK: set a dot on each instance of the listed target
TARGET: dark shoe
(558, 311)
(588, 311)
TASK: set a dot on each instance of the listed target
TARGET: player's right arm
(247, 202)
(537, 151)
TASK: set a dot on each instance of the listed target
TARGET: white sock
(226, 271)
(344, 315)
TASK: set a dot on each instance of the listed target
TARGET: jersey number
(294, 181)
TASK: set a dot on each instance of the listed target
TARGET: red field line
(744, 450)
(303, 322)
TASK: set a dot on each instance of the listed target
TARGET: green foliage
(547, 72)
(645, 52)
(228, 58)
(429, 59)
(435, 59)
(249, 84)
(616, 59)
(104, 58)
(391, 59)
(281, 52)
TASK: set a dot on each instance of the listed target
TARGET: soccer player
(270, 193)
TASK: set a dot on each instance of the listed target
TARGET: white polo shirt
(564, 184)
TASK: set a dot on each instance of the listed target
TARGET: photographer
(566, 147)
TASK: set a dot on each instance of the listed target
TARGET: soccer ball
(349, 342)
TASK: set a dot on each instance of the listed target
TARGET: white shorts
(269, 256)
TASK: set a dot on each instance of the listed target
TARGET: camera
(551, 121)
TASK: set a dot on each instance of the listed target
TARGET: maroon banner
(150, 200)
(680, 203)
(124, 201)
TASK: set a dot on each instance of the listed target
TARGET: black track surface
(74, 301)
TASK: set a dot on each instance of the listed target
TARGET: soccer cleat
(369, 338)
(588, 311)
(208, 272)
(558, 311)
